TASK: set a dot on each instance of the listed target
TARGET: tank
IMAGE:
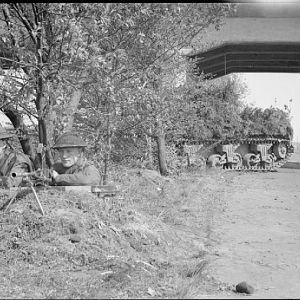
(254, 152)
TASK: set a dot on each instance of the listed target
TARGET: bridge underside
(232, 57)
(260, 37)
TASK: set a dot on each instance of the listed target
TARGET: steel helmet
(69, 139)
(4, 134)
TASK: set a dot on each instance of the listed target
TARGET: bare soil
(257, 237)
(195, 235)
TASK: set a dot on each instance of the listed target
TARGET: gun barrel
(15, 174)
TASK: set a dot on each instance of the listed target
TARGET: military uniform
(12, 161)
(82, 172)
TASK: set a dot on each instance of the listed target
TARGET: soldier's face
(69, 156)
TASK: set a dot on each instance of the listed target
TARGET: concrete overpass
(260, 37)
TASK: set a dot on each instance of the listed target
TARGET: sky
(276, 89)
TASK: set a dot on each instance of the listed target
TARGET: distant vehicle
(256, 152)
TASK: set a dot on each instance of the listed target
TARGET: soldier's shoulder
(16, 153)
(90, 164)
(22, 157)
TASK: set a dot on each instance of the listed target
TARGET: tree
(123, 56)
(50, 52)
(176, 29)
(139, 65)
(213, 109)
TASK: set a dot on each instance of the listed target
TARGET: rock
(244, 287)
(75, 238)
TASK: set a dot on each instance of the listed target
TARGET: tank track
(252, 140)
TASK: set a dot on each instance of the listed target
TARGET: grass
(150, 241)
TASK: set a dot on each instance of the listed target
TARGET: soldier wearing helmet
(11, 160)
(73, 168)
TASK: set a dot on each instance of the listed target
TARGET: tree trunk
(34, 27)
(150, 150)
(73, 105)
(75, 99)
(43, 110)
(108, 147)
(24, 138)
(106, 161)
(161, 148)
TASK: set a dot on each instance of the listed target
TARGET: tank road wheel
(249, 160)
(269, 162)
(237, 161)
(214, 161)
(280, 150)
